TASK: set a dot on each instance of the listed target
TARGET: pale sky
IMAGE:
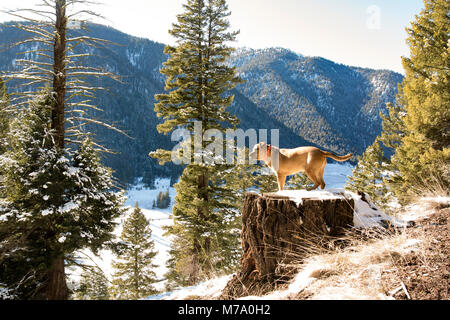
(366, 33)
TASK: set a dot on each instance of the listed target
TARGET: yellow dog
(310, 160)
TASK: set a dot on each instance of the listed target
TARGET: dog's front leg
(281, 181)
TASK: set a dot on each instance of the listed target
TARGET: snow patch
(302, 280)
(5, 293)
(423, 208)
(210, 289)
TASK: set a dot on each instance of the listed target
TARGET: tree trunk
(277, 234)
(201, 246)
(56, 288)
(59, 69)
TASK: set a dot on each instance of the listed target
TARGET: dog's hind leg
(313, 178)
(321, 173)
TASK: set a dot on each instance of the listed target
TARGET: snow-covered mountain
(312, 101)
(332, 105)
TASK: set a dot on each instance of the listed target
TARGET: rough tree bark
(59, 70)
(276, 234)
(56, 287)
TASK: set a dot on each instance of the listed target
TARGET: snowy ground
(336, 174)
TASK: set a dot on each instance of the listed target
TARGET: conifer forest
(132, 169)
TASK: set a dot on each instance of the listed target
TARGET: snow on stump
(278, 228)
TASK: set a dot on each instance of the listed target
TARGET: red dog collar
(268, 150)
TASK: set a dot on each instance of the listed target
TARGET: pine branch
(41, 72)
(74, 118)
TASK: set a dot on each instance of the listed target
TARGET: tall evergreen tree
(54, 201)
(204, 245)
(198, 84)
(422, 157)
(134, 276)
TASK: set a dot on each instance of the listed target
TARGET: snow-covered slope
(159, 218)
(336, 174)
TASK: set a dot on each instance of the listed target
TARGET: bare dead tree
(57, 65)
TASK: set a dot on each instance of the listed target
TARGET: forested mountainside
(311, 100)
(332, 105)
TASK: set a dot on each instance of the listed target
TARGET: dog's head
(261, 151)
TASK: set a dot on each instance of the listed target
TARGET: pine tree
(93, 285)
(26, 206)
(134, 276)
(203, 247)
(369, 175)
(415, 128)
(198, 84)
(422, 157)
(163, 200)
(266, 181)
(55, 201)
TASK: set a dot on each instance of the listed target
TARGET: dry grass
(370, 266)
(432, 186)
(359, 271)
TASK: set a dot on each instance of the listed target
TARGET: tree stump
(278, 231)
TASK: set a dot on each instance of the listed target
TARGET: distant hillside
(332, 105)
(311, 100)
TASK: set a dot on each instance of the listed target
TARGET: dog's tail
(338, 158)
